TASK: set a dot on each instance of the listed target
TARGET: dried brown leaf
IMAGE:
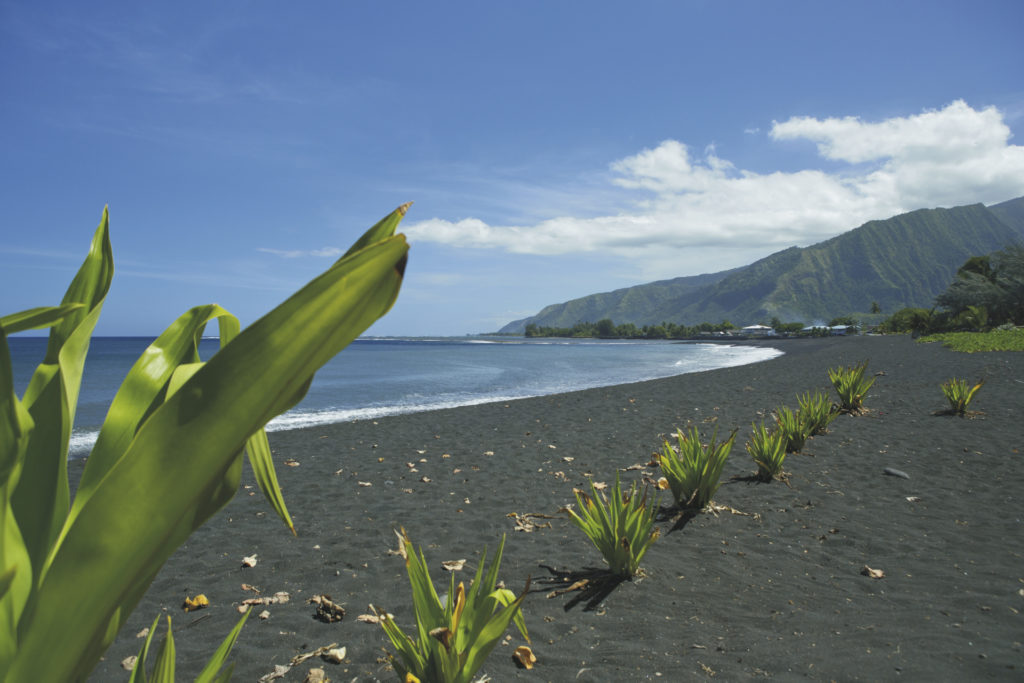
(524, 657)
(196, 603)
(873, 573)
(327, 611)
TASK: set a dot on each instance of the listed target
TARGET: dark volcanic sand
(775, 594)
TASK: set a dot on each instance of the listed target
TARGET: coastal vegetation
(959, 394)
(816, 412)
(792, 427)
(620, 525)
(692, 470)
(169, 452)
(971, 342)
(768, 450)
(986, 296)
(852, 386)
(454, 636)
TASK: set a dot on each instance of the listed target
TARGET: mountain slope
(619, 305)
(903, 261)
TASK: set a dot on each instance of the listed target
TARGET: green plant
(816, 412)
(163, 668)
(621, 526)
(959, 394)
(693, 474)
(169, 452)
(768, 449)
(1000, 339)
(455, 636)
(792, 428)
(851, 386)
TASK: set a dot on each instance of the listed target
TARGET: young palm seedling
(620, 526)
(959, 394)
(768, 449)
(792, 428)
(693, 473)
(816, 412)
(454, 636)
(851, 386)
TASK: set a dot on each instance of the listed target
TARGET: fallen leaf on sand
(873, 573)
(600, 486)
(315, 676)
(326, 610)
(198, 602)
(454, 565)
(368, 618)
(249, 561)
(662, 484)
(335, 655)
(524, 657)
(264, 615)
(527, 522)
(280, 671)
(128, 663)
(579, 585)
(250, 588)
(278, 598)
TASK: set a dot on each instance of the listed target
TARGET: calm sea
(377, 377)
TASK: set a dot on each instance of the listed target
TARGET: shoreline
(776, 591)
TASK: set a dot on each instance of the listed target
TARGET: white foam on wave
(725, 356)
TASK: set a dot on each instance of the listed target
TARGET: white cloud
(698, 214)
(323, 252)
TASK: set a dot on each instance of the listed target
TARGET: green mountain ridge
(906, 260)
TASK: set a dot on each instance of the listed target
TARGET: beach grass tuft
(959, 394)
(693, 473)
(621, 525)
(768, 450)
(792, 427)
(454, 635)
(816, 412)
(852, 386)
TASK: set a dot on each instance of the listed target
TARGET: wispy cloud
(324, 252)
(695, 213)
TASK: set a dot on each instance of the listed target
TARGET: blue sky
(553, 149)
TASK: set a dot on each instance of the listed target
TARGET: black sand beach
(776, 592)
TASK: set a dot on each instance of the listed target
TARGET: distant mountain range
(906, 260)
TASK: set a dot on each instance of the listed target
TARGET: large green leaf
(42, 498)
(36, 318)
(142, 391)
(194, 440)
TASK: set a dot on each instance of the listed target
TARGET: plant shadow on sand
(591, 585)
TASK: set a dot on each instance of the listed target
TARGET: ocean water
(377, 377)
